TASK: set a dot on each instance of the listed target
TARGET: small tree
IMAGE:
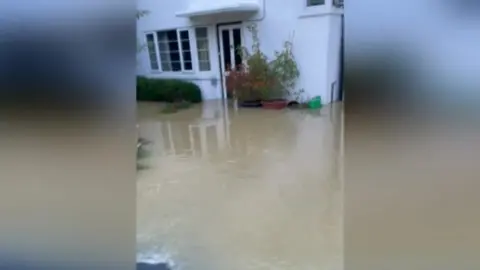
(285, 69)
(268, 79)
(260, 77)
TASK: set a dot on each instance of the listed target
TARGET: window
(186, 52)
(152, 53)
(169, 50)
(315, 3)
(338, 3)
(174, 49)
(201, 36)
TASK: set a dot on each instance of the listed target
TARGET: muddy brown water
(241, 190)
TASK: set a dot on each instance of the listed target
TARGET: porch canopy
(215, 7)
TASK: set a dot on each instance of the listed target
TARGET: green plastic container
(315, 103)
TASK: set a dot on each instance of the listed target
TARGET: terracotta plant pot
(276, 104)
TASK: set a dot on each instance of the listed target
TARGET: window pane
(153, 64)
(203, 56)
(153, 55)
(176, 66)
(187, 56)
(173, 46)
(201, 32)
(315, 2)
(172, 35)
(184, 35)
(185, 45)
(162, 46)
(202, 44)
(174, 56)
(166, 66)
(162, 37)
(204, 65)
(165, 57)
(188, 65)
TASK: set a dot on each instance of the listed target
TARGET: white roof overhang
(214, 7)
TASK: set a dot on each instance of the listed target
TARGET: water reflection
(246, 189)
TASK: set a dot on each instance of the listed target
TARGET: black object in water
(250, 104)
(150, 266)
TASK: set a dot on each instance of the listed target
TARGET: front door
(230, 39)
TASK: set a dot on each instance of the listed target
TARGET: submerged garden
(259, 82)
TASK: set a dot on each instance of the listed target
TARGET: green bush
(167, 90)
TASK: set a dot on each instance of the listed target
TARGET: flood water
(251, 189)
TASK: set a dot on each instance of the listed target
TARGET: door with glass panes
(230, 39)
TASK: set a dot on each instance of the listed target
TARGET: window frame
(168, 52)
(157, 53)
(180, 50)
(197, 52)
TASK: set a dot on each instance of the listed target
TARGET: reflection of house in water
(197, 136)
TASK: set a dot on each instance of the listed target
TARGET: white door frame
(230, 28)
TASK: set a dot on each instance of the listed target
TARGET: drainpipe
(342, 52)
(263, 15)
(332, 90)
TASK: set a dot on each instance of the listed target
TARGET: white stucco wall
(315, 32)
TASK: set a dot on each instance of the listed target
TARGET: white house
(195, 40)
